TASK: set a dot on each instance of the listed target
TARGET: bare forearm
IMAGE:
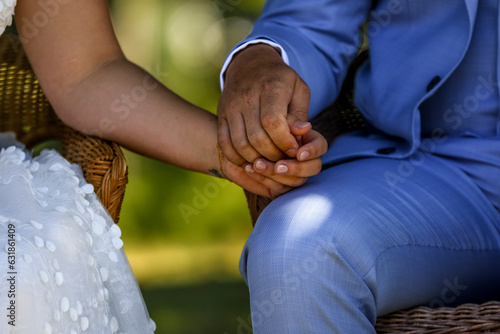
(94, 89)
(121, 102)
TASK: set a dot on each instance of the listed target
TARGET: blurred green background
(183, 231)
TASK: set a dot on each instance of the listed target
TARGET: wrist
(255, 53)
(217, 166)
(221, 162)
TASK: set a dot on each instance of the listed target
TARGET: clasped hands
(268, 145)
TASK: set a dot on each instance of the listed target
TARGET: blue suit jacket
(414, 47)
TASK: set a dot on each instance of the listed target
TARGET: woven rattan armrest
(103, 165)
(466, 318)
(25, 110)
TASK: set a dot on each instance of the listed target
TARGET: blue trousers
(369, 237)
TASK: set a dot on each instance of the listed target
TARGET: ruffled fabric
(6, 13)
(61, 255)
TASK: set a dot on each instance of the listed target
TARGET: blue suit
(321, 37)
(409, 214)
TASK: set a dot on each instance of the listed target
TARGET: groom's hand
(260, 92)
(270, 179)
(292, 172)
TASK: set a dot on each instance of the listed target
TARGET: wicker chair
(343, 117)
(25, 111)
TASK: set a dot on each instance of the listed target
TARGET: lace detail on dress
(71, 274)
(6, 13)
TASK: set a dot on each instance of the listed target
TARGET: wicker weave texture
(103, 165)
(466, 318)
(25, 110)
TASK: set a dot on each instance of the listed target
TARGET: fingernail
(249, 169)
(304, 155)
(282, 169)
(260, 165)
(302, 125)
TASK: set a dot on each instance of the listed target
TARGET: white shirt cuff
(243, 46)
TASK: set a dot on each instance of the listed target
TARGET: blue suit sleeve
(320, 37)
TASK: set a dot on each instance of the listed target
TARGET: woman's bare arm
(95, 89)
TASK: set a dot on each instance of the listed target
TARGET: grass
(208, 308)
(192, 289)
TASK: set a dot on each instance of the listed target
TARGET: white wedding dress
(62, 265)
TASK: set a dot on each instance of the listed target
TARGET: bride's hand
(270, 179)
(257, 184)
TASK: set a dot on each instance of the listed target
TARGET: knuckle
(295, 168)
(249, 96)
(258, 139)
(313, 151)
(324, 145)
(235, 159)
(270, 121)
(258, 177)
(221, 109)
(266, 173)
(324, 148)
(269, 84)
(251, 157)
(227, 103)
(274, 86)
(304, 88)
(317, 167)
(232, 107)
(241, 144)
(292, 168)
(224, 140)
(274, 155)
(246, 150)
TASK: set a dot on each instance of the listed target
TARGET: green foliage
(183, 43)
